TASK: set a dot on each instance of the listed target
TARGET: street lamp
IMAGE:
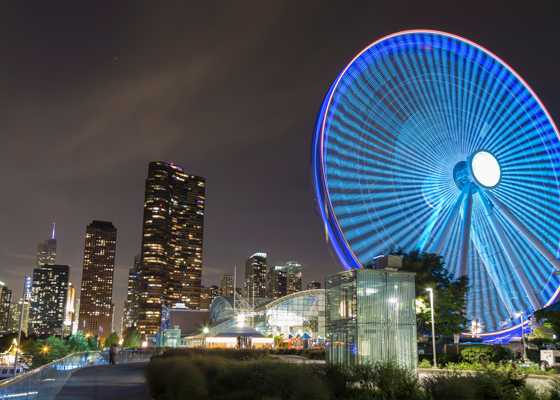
(523, 336)
(205, 330)
(433, 324)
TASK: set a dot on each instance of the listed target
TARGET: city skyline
(229, 92)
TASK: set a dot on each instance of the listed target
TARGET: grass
(216, 375)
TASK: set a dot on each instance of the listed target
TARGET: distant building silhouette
(226, 285)
(171, 269)
(49, 293)
(130, 314)
(313, 285)
(255, 276)
(15, 313)
(277, 282)
(5, 299)
(207, 294)
(96, 297)
(294, 273)
(46, 251)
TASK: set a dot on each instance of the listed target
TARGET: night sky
(91, 92)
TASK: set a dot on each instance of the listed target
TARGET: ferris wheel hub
(485, 169)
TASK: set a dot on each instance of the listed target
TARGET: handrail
(45, 382)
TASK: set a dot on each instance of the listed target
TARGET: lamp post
(205, 330)
(523, 336)
(433, 324)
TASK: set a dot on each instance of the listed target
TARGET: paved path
(107, 382)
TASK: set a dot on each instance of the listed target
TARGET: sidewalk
(108, 382)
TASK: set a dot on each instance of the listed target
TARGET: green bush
(510, 354)
(443, 359)
(486, 352)
(534, 355)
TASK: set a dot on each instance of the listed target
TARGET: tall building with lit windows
(294, 273)
(255, 276)
(226, 285)
(171, 269)
(46, 251)
(49, 294)
(130, 314)
(96, 297)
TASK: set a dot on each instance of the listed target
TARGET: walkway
(108, 382)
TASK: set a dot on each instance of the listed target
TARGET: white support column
(449, 221)
(465, 233)
(537, 244)
(509, 253)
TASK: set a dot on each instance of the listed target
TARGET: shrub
(509, 354)
(488, 353)
(440, 358)
(534, 355)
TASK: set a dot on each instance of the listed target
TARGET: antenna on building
(53, 229)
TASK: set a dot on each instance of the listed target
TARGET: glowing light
(485, 169)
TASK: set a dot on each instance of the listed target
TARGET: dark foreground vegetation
(257, 375)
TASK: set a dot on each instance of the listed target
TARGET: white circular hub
(485, 169)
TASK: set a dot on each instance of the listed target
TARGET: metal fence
(45, 382)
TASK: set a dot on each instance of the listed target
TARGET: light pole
(523, 336)
(433, 324)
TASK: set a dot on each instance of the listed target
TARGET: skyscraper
(46, 251)
(130, 314)
(277, 282)
(5, 299)
(226, 284)
(207, 294)
(15, 313)
(96, 312)
(255, 276)
(171, 269)
(313, 285)
(48, 298)
(294, 272)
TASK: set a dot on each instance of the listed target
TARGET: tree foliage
(450, 295)
(43, 351)
(111, 340)
(79, 342)
(551, 318)
(131, 338)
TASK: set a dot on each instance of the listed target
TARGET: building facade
(255, 276)
(226, 285)
(371, 317)
(46, 251)
(313, 285)
(276, 282)
(49, 293)
(5, 300)
(294, 275)
(130, 314)
(171, 264)
(96, 297)
(207, 294)
(15, 314)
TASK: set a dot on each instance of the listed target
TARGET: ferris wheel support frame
(537, 244)
(466, 232)
(509, 253)
(449, 222)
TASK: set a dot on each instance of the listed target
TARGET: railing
(45, 382)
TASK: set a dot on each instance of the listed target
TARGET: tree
(43, 351)
(551, 318)
(92, 343)
(131, 338)
(78, 342)
(112, 340)
(450, 295)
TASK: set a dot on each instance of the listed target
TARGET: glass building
(291, 315)
(371, 317)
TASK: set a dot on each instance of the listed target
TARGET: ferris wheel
(428, 141)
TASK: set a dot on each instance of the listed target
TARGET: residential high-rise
(171, 269)
(48, 298)
(96, 296)
(313, 285)
(226, 284)
(46, 251)
(130, 314)
(293, 269)
(5, 299)
(277, 282)
(255, 276)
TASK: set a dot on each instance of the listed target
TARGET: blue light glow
(392, 128)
